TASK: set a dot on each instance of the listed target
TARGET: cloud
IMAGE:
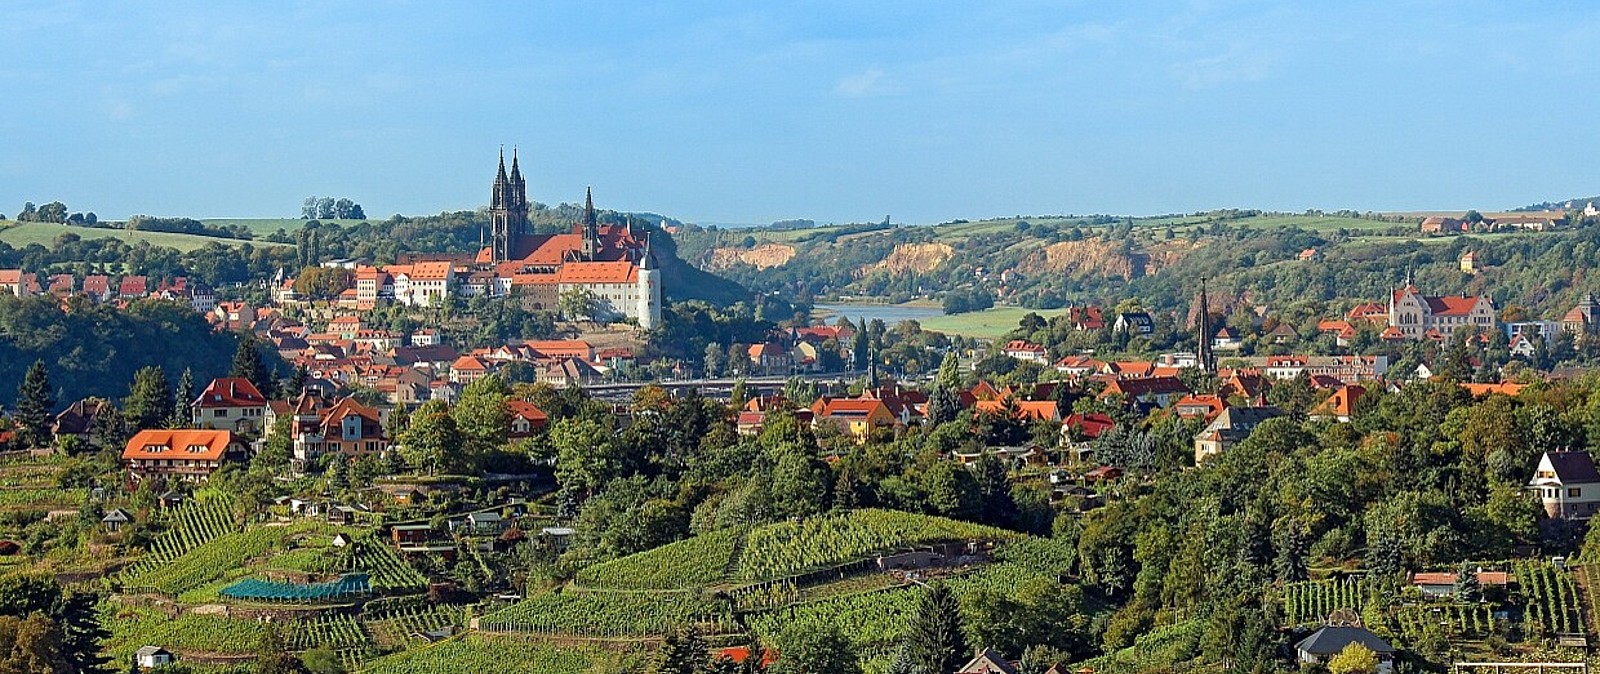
(1237, 64)
(873, 82)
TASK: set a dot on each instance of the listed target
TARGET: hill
(23, 234)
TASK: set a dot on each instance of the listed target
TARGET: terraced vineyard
(395, 629)
(788, 548)
(701, 560)
(211, 560)
(132, 627)
(1459, 620)
(1553, 606)
(40, 497)
(609, 614)
(195, 523)
(390, 572)
(1310, 602)
(336, 632)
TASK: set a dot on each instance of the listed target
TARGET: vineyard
(195, 523)
(482, 653)
(1553, 606)
(397, 628)
(787, 548)
(388, 572)
(209, 561)
(1459, 620)
(131, 628)
(1310, 602)
(609, 614)
(698, 561)
(40, 497)
(336, 632)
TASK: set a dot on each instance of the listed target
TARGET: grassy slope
(21, 234)
(989, 323)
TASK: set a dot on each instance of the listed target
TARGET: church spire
(1208, 358)
(591, 226)
(516, 173)
(589, 219)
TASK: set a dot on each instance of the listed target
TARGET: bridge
(720, 387)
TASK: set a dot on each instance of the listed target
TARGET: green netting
(348, 585)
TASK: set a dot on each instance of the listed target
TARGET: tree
(322, 660)
(1467, 588)
(274, 657)
(482, 416)
(182, 397)
(35, 402)
(936, 642)
(809, 650)
(715, 359)
(579, 303)
(682, 652)
(800, 482)
(107, 428)
(248, 365)
(1354, 659)
(339, 473)
(432, 439)
(149, 403)
(860, 356)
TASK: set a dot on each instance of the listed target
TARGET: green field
(22, 234)
(264, 226)
(989, 323)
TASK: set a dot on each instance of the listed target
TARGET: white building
(1568, 485)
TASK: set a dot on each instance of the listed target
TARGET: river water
(888, 313)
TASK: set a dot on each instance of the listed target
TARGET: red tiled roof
(186, 444)
(621, 271)
(526, 410)
(230, 392)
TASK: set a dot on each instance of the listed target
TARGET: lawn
(21, 234)
(989, 323)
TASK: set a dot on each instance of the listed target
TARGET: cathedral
(613, 263)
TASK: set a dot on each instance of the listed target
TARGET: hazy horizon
(834, 112)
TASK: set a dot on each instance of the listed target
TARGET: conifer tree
(35, 402)
(182, 396)
(149, 403)
(936, 642)
(247, 364)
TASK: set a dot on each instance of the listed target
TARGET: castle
(612, 263)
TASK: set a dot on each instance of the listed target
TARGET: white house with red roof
(231, 404)
(185, 454)
(526, 418)
(1022, 349)
(11, 281)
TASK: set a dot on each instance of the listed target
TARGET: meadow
(23, 234)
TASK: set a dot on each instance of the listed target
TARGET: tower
(508, 210)
(1207, 358)
(591, 227)
(649, 290)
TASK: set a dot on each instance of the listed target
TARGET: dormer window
(196, 449)
(155, 449)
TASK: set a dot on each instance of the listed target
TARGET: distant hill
(1568, 204)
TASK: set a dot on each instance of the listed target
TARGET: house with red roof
(1199, 406)
(346, 427)
(230, 403)
(1024, 410)
(1022, 349)
(1341, 405)
(133, 287)
(526, 419)
(97, 287)
(11, 281)
(468, 369)
(858, 417)
(181, 454)
(1160, 391)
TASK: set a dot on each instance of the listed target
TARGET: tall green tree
(810, 650)
(936, 641)
(248, 364)
(35, 402)
(482, 416)
(682, 652)
(149, 403)
(433, 440)
(182, 397)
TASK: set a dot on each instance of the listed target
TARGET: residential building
(185, 454)
(1022, 349)
(987, 661)
(1331, 640)
(1567, 484)
(1442, 225)
(526, 419)
(347, 427)
(1135, 323)
(1340, 406)
(1230, 428)
(859, 418)
(1584, 318)
(11, 281)
(230, 403)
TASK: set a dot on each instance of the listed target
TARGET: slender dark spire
(589, 219)
(516, 173)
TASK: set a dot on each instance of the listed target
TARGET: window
(1574, 492)
(219, 412)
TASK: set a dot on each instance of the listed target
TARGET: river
(888, 313)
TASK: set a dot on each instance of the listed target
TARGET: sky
(750, 112)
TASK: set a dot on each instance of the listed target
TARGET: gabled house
(987, 661)
(347, 427)
(230, 403)
(1567, 484)
(1230, 428)
(1135, 323)
(1022, 349)
(78, 419)
(1202, 406)
(188, 454)
(1340, 406)
(1329, 641)
(857, 417)
(1158, 390)
(1226, 340)
(1086, 319)
(526, 419)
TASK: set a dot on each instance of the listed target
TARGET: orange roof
(1343, 401)
(184, 444)
(851, 406)
(535, 279)
(469, 363)
(10, 276)
(1392, 333)
(230, 392)
(526, 410)
(1506, 388)
(1026, 409)
(621, 271)
(430, 271)
(561, 347)
(1332, 326)
(1214, 405)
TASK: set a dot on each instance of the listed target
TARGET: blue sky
(837, 111)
